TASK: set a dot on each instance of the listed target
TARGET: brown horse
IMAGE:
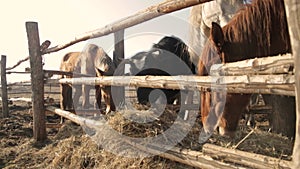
(258, 30)
(68, 63)
(92, 61)
(104, 67)
(201, 16)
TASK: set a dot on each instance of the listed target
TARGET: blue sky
(62, 20)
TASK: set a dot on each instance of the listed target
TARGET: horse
(167, 57)
(93, 62)
(200, 18)
(68, 64)
(104, 67)
(258, 30)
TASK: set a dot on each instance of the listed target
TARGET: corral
(283, 84)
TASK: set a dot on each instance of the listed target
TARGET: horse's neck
(237, 48)
(245, 38)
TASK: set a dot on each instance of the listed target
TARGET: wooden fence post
(119, 96)
(4, 86)
(37, 82)
(293, 12)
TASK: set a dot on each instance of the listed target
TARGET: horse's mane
(178, 47)
(257, 26)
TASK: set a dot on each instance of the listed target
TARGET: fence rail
(265, 84)
(268, 75)
(163, 8)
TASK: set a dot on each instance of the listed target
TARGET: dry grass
(71, 147)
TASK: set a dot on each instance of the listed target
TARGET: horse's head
(213, 50)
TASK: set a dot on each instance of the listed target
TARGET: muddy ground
(70, 147)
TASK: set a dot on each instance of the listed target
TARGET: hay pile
(261, 141)
(71, 147)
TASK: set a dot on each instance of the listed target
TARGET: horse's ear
(217, 35)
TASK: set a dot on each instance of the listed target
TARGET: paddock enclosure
(32, 135)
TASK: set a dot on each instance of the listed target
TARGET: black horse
(169, 57)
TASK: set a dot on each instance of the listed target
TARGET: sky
(61, 21)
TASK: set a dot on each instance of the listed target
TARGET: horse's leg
(86, 96)
(69, 102)
(97, 103)
(63, 99)
(77, 94)
(62, 96)
(110, 106)
(249, 115)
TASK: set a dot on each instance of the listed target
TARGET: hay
(80, 151)
(260, 141)
(71, 147)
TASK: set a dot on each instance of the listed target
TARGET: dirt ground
(70, 147)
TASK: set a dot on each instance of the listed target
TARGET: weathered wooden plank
(267, 84)
(293, 12)
(137, 18)
(244, 158)
(5, 109)
(267, 65)
(50, 73)
(37, 82)
(188, 157)
(75, 118)
(29, 92)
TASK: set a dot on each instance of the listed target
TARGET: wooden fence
(35, 52)
(293, 12)
(255, 79)
(282, 84)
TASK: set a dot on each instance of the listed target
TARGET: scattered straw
(234, 147)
